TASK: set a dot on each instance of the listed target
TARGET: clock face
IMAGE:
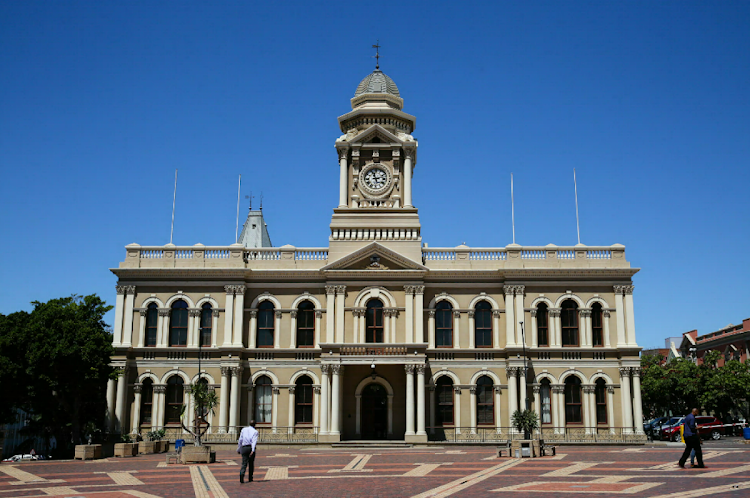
(376, 178)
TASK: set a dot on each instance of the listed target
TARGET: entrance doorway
(374, 412)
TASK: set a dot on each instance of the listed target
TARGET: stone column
(293, 331)
(498, 411)
(420, 400)
(555, 327)
(473, 409)
(111, 390)
(122, 393)
(340, 303)
(142, 329)
(620, 310)
(250, 401)
(589, 421)
(495, 328)
(336, 400)
(629, 316)
(234, 404)
(224, 400)
(520, 315)
(627, 409)
(409, 153)
(159, 405)
(136, 419)
(277, 329)
(637, 404)
(512, 373)
(585, 321)
(605, 331)
(119, 306)
(330, 314)
(534, 332)
(194, 322)
(409, 400)
(239, 315)
(162, 327)
(558, 407)
(290, 425)
(611, 409)
(188, 402)
(433, 403)
(419, 313)
(456, 329)
(253, 332)
(318, 333)
(228, 315)
(472, 330)
(343, 177)
(325, 401)
(214, 328)
(522, 385)
(274, 409)
(536, 401)
(127, 326)
(510, 321)
(409, 313)
(431, 329)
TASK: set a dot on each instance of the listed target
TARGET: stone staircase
(372, 444)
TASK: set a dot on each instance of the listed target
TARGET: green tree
(725, 388)
(54, 363)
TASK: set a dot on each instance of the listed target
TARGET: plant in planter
(205, 402)
(126, 447)
(525, 421)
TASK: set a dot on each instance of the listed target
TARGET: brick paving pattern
(428, 472)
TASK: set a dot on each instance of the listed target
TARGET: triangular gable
(387, 259)
(376, 130)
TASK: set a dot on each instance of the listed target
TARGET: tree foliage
(680, 385)
(54, 364)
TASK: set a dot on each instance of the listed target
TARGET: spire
(255, 231)
(377, 55)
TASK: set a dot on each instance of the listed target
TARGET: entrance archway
(374, 413)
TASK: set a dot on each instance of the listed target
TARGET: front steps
(372, 444)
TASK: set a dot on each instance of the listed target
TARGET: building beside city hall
(378, 335)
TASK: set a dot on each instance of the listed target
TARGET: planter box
(147, 447)
(88, 451)
(126, 449)
(197, 454)
(531, 446)
(163, 446)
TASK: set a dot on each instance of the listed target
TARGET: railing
(311, 254)
(484, 356)
(534, 254)
(307, 356)
(373, 351)
(262, 254)
(216, 254)
(152, 253)
(184, 254)
(299, 434)
(263, 355)
(566, 254)
(500, 435)
(176, 355)
(444, 356)
(488, 255)
(439, 254)
(599, 254)
(543, 355)
(600, 355)
(571, 355)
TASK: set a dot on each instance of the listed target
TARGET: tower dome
(377, 82)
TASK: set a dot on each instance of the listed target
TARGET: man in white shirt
(246, 447)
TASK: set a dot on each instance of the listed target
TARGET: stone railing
(515, 256)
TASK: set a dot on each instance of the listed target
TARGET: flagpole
(575, 186)
(174, 199)
(237, 223)
(512, 209)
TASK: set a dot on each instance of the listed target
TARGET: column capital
(558, 388)
(519, 290)
(635, 371)
(125, 289)
(318, 313)
(253, 313)
(410, 153)
(605, 313)
(343, 152)
(330, 290)
(275, 389)
(225, 371)
(536, 388)
(236, 371)
(456, 314)
(419, 289)
(164, 311)
(554, 312)
(473, 389)
(409, 289)
(316, 389)
(160, 389)
(277, 314)
(623, 289)
(341, 289)
(325, 369)
(409, 369)
(624, 372)
(293, 313)
(495, 313)
(611, 389)
(431, 313)
(142, 312)
(588, 389)
(291, 390)
(509, 290)
(187, 388)
(512, 371)
(497, 389)
(457, 389)
(137, 388)
(421, 369)
(337, 369)
(194, 312)
(471, 313)
(533, 312)
(584, 313)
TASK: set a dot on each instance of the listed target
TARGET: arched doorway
(374, 412)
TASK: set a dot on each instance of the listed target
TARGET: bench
(503, 447)
(545, 449)
(173, 456)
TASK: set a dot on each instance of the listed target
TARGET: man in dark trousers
(246, 448)
(692, 441)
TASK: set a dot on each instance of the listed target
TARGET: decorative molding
(225, 371)
(337, 369)
(137, 388)
(318, 313)
(236, 371)
(160, 389)
(277, 314)
(456, 314)
(421, 369)
(121, 289)
(409, 369)
(509, 290)
(325, 369)
(164, 312)
(291, 390)
(624, 371)
(512, 371)
(519, 290)
(142, 312)
(194, 312)
(554, 312)
(558, 388)
(330, 290)
(606, 313)
(341, 289)
(419, 289)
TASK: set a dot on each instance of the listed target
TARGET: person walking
(692, 441)
(246, 447)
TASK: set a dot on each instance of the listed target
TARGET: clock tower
(377, 155)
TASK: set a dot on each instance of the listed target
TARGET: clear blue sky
(649, 101)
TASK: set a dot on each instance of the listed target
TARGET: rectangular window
(569, 320)
(597, 330)
(304, 401)
(483, 328)
(152, 319)
(206, 322)
(485, 406)
(265, 328)
(263, 404)
(444, 328)
(542, 326)
(601, 404)
(546, 403)
(306, 328)
(444, 396)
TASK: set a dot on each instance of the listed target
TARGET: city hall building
(377, 336)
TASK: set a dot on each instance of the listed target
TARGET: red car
(708, 427)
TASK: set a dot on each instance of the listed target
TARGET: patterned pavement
(428, 472)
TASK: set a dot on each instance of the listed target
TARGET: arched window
(444, 325)
(178, 319)
(303, 401)
(265, 324)
(483, 325)
(147, 402)
(263, 404)
(206, 323)
(305, 325)
(485, 401)
(597, 330)
(569, 320)
(374, 321)
(601, 401)
(573, 412)
(542, 325)
(444, 397)
(545, 394)
(152, 320)
(175, 397)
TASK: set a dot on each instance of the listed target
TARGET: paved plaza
(433, 471)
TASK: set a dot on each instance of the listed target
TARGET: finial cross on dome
(377, 54)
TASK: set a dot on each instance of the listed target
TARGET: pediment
(374, 131)
(374, 257)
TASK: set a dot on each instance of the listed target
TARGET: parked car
(667, 430)
(708, 427)
(652, 426)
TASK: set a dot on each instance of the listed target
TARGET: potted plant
(126, 447)
(205, 402)
(525, 421)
